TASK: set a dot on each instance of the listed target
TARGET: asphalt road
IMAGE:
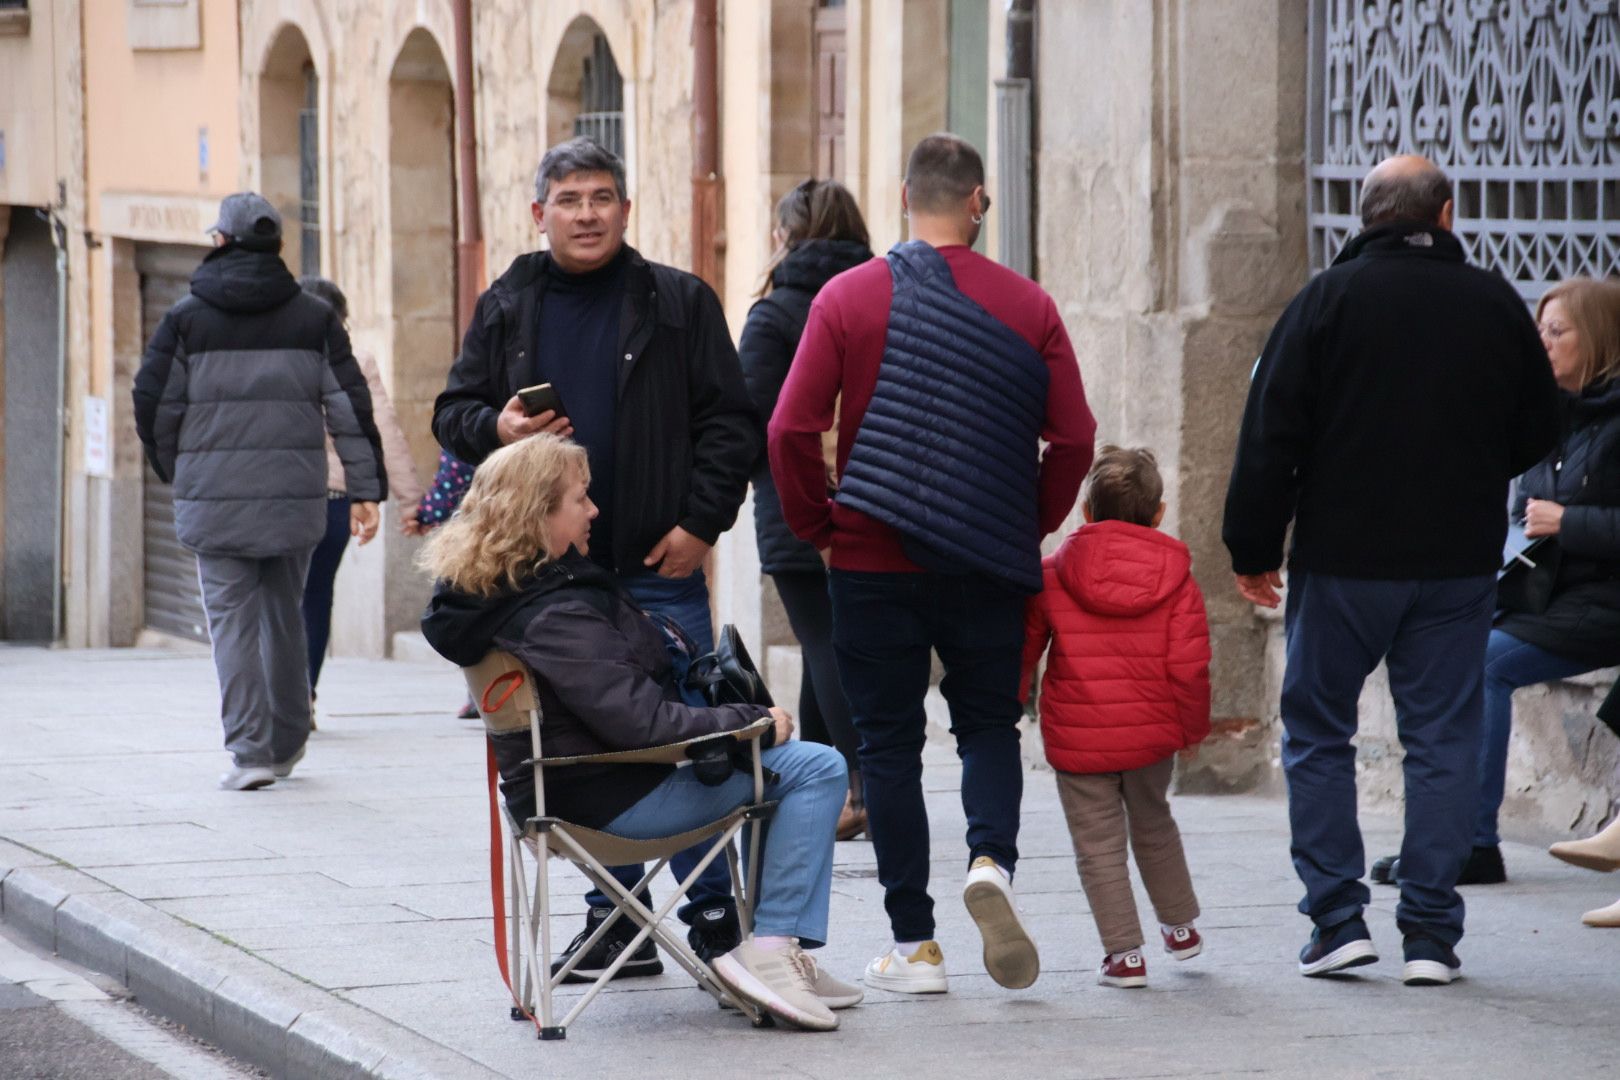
(59, 1022)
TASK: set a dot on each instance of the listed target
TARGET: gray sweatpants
(260, 653)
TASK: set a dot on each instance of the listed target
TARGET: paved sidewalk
(338, 923)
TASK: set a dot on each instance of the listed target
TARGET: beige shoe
(1600, 852)
(1009, 954)
(776, 981)
(834, 992)
(1604, 916)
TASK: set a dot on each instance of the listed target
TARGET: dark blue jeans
(1431, 637)
(883, 628)
(686, 600)
(1509, 664)
(323, 568)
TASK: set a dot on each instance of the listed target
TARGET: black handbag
(727, 676)
(1527, 590)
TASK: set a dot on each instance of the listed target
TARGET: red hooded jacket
(1127, 682)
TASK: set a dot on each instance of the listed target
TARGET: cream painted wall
(144, 109)
(28, 115)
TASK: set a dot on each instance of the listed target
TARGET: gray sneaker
(283, 769)
(776, 982)
(247, 778)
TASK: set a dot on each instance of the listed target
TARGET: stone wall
(1171, 233)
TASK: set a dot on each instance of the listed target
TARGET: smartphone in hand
(539, 398)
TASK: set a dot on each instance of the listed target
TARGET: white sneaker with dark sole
(923, 972)
(1009, 954)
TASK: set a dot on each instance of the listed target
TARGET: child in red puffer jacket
(1126, 686)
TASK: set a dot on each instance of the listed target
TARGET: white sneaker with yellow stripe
(923, 972)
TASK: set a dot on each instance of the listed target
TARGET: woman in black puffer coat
(1561, 618)
(819, 234)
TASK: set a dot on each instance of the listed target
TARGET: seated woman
(512, 575)
(1572, 498)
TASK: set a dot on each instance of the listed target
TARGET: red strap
(497, 875)
(511, 680)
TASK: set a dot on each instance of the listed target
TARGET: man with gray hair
(1399, 393)
(643, 375)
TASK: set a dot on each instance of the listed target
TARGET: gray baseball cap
(247, 215)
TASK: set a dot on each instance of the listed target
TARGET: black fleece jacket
(603, 677)
(686, 433)
(1398, 394)
(770, 337)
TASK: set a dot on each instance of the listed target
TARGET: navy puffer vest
(948, 452)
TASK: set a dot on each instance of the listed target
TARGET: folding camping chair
(504, 692)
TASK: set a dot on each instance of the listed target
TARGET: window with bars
(309, 176)
(601, 98)
(1518, 102)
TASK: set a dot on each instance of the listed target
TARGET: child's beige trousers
(1102, 810)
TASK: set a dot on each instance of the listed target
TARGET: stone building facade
(1160, 171)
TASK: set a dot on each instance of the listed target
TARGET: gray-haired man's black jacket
(1400, 392)
(237, 391)
(686, 433)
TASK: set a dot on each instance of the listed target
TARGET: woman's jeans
(323, 568)
(1509, 664)
(795, 882)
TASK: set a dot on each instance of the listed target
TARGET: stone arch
(291, 103)
(421, 234)
(584, 45)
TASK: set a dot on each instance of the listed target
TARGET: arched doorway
(585, 94)
(289, 147)
(422, 235)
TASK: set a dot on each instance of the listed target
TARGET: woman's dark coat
(1582, 621)
(770, 337)
(604, 680)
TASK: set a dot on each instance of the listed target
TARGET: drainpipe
(1016, 129)
(470, 248)
(708, 188)
(59, 241)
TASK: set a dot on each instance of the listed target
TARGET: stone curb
(224, 996)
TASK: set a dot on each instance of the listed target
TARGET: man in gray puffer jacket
(235, 396)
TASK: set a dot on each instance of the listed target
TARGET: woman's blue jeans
(795, 881)
(1509, 664)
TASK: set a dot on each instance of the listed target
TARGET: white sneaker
(923, 972)
(283, 769)
(1009, 954)
(776, 981)
(247, 777)
(834, 992)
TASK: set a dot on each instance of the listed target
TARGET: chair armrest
(668, 754)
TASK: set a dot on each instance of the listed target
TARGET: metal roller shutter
(173, 597)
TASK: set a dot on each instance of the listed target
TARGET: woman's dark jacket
(603, 677)
(1582, 621)
(770, 337)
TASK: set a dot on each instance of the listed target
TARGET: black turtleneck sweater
(577, 351)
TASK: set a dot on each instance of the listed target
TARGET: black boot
(715, 931)
(1484, 867)
(644, 961)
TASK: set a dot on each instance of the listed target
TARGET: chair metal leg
(542, 888)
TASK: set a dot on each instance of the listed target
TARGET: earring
(978, 219)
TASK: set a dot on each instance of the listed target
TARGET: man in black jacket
(641, 357)
(1398, 394)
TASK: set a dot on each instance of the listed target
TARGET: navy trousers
(883, 628)
(1431, 636)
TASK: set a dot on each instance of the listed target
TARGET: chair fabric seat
(620, 851)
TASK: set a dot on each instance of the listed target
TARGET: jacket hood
(1115, 568)
(233, 278)
(815, 262)
(462, 627)
(1595, 401)
(1404, 237)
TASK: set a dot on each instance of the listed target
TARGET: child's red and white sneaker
(1125, 969)
(1182, 942)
